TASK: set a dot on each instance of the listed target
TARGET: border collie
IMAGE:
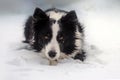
(55, 33)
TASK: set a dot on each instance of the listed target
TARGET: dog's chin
(53, 61)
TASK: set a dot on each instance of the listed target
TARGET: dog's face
(55, 32)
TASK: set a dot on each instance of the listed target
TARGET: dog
(55, 33)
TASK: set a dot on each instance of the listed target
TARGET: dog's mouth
(54, 58)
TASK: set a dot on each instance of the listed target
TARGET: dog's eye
(46, 37)
(61, 39)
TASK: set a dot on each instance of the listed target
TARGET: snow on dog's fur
(55, 33)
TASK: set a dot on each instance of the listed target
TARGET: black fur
(81, 56)
(41, 29)
(68, 28)
(28, 30)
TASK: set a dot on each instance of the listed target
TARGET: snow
(102, 29)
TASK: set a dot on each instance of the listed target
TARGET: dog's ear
(39, 15)
(70, 17)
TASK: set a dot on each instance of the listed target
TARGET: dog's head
(56, 32)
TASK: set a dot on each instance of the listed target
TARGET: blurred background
(27, 6)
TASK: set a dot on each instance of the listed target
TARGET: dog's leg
(81, 55)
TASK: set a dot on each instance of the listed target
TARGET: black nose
(52, 54)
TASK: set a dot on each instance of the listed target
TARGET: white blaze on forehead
(53, 45)
(55, 15)
(55, 28)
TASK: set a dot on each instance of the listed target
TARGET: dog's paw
(81, 56)
(53, 62)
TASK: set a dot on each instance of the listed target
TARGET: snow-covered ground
(102, 30)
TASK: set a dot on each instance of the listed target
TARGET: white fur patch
(53, 45)
(55, 15)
